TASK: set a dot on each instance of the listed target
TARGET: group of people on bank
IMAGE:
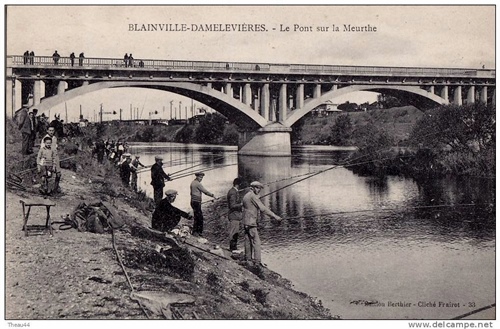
(243, 212)
(48, 163)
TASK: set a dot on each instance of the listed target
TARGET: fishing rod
(33, 168)
(317, 173)
(312, 175)
(188, 168)
(170, 163)
(173, 163)
(283, 179)
(205, 170)
(308, 173)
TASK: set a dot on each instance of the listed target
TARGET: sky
(421, 36)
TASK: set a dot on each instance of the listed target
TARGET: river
(368, 248)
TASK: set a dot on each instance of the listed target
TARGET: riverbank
(76, 275)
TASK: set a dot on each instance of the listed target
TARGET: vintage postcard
(250, 162)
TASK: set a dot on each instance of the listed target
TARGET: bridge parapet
(172, 65)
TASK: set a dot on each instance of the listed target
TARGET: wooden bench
(26, 213)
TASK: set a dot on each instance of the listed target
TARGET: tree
(231, 136)
(468, 128)
(390, 101)
(348, 107)
(341, 131)
(211, 129)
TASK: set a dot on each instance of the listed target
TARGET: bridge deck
(19, 61)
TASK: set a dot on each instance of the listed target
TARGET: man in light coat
(252, 207)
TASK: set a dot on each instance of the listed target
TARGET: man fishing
(158, 177)
(135, 166)
(252, 206)
(196, 190)
(235, 215)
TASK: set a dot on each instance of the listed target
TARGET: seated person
(166, 216)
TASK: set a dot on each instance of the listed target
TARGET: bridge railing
(378, 70)
(154, 64)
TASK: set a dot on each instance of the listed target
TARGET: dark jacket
(158, 176)
(125, 172)
(166, 216)
(23, 121)
(234, 204)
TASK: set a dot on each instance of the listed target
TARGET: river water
(368, 248)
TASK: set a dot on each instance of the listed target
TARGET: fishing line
(200, 164)
(312, 175)
(474, 311)
(384, 209)
(205, 170)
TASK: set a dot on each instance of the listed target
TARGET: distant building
(326, 108)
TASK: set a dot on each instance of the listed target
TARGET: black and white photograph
(333, 163)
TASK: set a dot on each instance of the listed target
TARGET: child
(48, 166)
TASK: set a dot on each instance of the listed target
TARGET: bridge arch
(242, 114)
(417, 96)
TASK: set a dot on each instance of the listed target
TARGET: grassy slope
(397, 121)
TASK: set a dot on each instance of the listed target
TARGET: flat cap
(171, 192)
(256, 184)
(158, 157)
(199, 174)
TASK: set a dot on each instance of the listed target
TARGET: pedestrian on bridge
(158, 177)
(125, 59)
(55, 57)
(252, 207)
(26, 56)
(80, 59)
(130, 61)
(196, 190)
(72, 58)
(32, 57)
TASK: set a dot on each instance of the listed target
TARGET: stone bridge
(263, 99)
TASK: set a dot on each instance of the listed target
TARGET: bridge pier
(444, 94)
(247, 94)
(471, 95)
(10, 90)
(484, 95)
(228, 89)
(38, 91)
(317, 91)
(271, 140)
(264, 101)
(457, 96)
(61, 87)
(299, 96)
(282, 103)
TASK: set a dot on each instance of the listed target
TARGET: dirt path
(69, 275)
